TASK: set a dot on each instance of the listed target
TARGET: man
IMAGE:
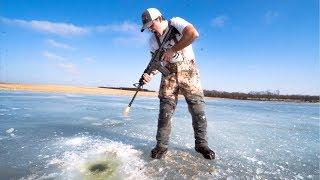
(180, 60)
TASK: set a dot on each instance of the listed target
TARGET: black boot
(158, 152)
(205, 151)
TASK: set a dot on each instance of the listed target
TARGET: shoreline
(52, 88)
(71, 89)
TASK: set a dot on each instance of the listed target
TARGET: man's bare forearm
(189, 34)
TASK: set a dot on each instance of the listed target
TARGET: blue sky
(248, 45)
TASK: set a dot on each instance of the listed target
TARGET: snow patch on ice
(9, 131)
(89, 118)
(77, 141)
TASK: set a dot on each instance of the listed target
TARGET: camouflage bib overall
(186, 81)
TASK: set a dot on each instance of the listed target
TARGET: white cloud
(59, 45)
(270, 16)
(127, 27)
(219, 21)
(128, 32)
(69, 67)
(62, 29)
(88, 59)
(70, 29)
(52, 56)
(61, 62)
(135, 40)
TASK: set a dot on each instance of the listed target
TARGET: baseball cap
(148, 16)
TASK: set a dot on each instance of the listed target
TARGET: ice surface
(60, 136)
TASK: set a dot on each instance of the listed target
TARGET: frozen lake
(73, 136)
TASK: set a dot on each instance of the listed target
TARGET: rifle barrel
(135, 94)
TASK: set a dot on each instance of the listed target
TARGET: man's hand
(168, 55)
(146, 78)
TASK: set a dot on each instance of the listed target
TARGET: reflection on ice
(89, 118)
(96, 124)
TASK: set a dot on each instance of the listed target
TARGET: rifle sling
(174, 37)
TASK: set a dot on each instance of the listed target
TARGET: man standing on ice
(180, 60)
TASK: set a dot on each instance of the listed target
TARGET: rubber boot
(205, 151)
(158, 152)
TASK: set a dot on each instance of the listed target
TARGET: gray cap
(148, 16)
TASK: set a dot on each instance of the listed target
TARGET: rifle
(154, 64)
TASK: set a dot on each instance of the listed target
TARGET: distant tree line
(261, 96)
(252, 95)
